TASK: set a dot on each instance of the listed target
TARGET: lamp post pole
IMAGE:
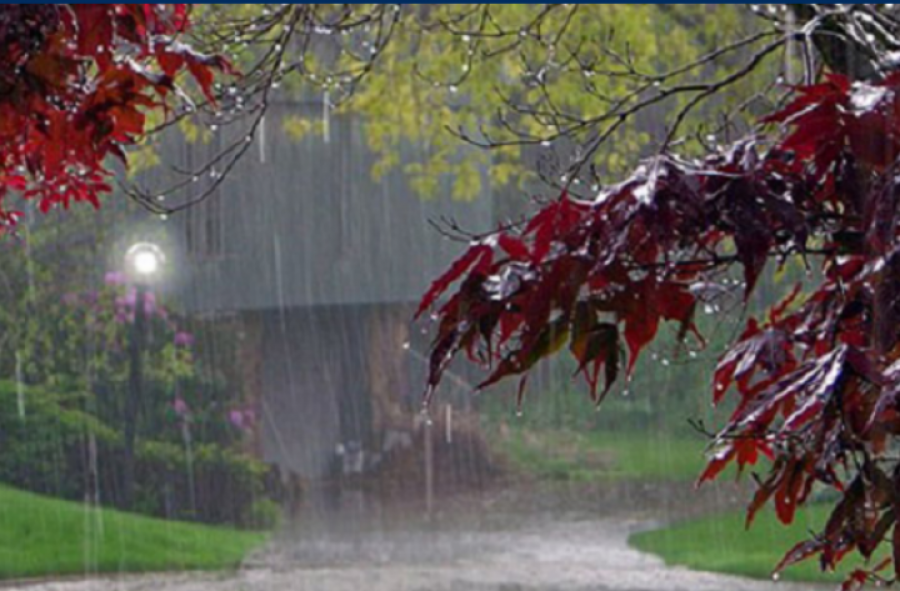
(135, 396)
(143, 261)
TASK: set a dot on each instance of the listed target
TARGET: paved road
(509, 539)
(544, 555)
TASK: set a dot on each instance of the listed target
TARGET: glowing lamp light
(144, 260)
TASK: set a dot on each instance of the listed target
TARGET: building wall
(324, 264)
(302, 223)
(317, 384)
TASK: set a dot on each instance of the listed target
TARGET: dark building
(320, 265)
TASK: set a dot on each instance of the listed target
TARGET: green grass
(720, 543)
(41, 536)
(600, 455)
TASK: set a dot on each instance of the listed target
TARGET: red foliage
(76, 83)
(817, 389)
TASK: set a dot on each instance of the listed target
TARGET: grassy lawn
(601, 455)
(720, 543)
(42, 536)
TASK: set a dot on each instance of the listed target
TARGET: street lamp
(143, 262)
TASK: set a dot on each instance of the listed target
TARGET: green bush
(50, 448)
(265, 514)
(213, 485)
(42, 442)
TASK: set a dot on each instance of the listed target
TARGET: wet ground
(537, 539)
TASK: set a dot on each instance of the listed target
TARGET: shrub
(265, 514)
(50, 449)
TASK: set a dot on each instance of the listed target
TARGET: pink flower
(149, 302)
(183, 339)
(126, 300)
(243, 419)
(237, 418)
(114, 278)
(181, 407)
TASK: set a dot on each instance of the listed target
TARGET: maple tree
(77, 82)
(817, 377)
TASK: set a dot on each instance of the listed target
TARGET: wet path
(497, 551)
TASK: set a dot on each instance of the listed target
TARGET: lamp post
(143, 262)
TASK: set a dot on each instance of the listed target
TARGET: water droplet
(665, 362)
(625, 392)
(406, 346)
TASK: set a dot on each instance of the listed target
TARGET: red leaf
(596, 344)
(718, 463)
(639, 331)
(799, 552)
(478, 255)
(514, 247)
